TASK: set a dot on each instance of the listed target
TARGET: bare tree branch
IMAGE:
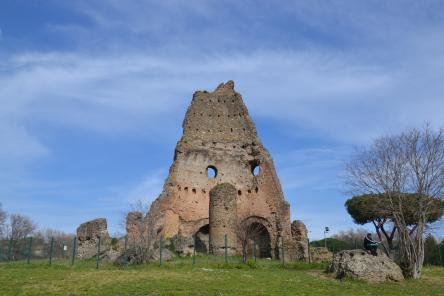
(412, 162)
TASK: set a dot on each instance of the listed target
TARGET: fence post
(283, 255)
(194, 250)
(1, 251)
(160, 250)
(226, 251)
(440, 255)
(254, 249)
(334, 252)
(50, 250)
(125, 253)
(309, 254)
(74, 243)
(98, 254)
(10, 249)
(29, 250)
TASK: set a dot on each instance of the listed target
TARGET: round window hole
(211, 172)
(255, 169)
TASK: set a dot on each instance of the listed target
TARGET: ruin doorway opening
(262, 240)
(202, 238)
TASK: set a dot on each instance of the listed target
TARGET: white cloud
(319, 168)
(314, 90)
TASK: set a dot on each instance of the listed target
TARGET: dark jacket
(368, 243)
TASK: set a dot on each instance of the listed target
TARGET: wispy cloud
(340, 72)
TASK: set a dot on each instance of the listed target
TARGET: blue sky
(93, 94)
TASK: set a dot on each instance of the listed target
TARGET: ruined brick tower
(220, 145)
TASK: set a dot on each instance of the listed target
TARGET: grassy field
(208, 277)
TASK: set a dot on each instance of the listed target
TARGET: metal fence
(65, 251)
(34, 249)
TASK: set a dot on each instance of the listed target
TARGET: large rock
(88, 234)
(358, 264)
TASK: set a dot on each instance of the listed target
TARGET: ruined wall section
(88, 234)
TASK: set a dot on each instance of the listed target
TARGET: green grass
(210, 276)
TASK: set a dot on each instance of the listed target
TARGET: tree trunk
(412, 251)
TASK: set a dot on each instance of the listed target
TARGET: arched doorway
(202, 239)
(261, 239)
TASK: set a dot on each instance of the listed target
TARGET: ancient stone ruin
(359, 264)
(299, 234)
(222, 174)
(88, 234)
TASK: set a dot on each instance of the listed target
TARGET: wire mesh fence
(56, 251)
(33, 249)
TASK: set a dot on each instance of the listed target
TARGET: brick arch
(264, 240)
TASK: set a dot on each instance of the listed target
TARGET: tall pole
(51, 247)
(160, 250)
(440, 254)
(74, 245)
(325, 240)
(254, 249)
(194, 250)
(98, 254)
(308, 247)
(29, 250)
(10, 249)
(126, 254)
(326, 230)
(226, 254)
(283, 255)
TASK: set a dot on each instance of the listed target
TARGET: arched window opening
(255, 168)
(211, 172)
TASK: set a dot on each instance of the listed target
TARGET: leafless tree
(140, 237)
(245, 233)
(354, 238)
(21, 226)
(42, 239)
(412, 162)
